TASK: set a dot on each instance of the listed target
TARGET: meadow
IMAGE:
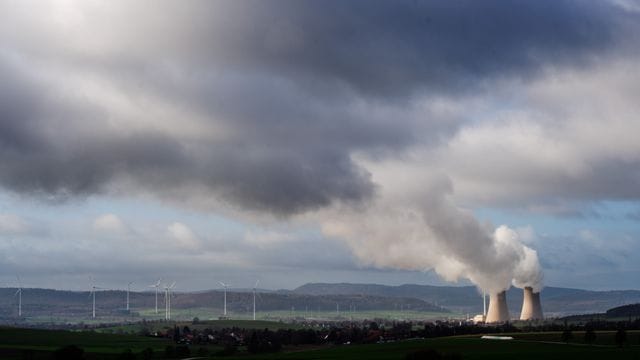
(472, 348)
(207, 313)
(211, 314)
(39, 344)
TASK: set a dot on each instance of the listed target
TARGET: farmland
(23, 343)
(39, 344)
(467, 348)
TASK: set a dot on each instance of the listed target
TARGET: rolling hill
(47, 303)
(56, 304)
(467, 299)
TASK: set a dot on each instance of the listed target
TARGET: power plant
(498, 311)
(531, 306)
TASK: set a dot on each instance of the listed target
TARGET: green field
(42, 342)
(603, 338)
(360, 315)
(15, 343)
(468, 348)
(210, 314)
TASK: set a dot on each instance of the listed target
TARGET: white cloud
(110, 223)
(184, 236)
(13, 225)
(574, 130)
(268, 238)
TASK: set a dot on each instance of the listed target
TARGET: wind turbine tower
(254, 299)
(157, 286)
(19, 294)
(128, 290)
(167, 300)
(225, 286)
(93, 294)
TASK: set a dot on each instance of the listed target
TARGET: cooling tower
(531, 307)
(498, 311)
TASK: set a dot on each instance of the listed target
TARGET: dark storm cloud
(45, 153)
(392, 48)
(295, 86)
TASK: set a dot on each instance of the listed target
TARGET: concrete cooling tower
(531, 306)
(498, 311)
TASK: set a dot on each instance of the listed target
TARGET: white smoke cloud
(425, 230)
(527, 271)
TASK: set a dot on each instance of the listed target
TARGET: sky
(429, 142)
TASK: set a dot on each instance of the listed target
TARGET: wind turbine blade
(223, 284)
(172, 285)
(256, 285)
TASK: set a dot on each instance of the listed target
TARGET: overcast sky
(325, 141)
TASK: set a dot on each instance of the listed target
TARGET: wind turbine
(225, 286)
(166, 303)
(128, 289)
(93, 292)
(19, 295)
(254, 299)
(167, 300)
(157, 286)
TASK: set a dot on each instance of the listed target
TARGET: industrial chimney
(531, 307)
(498, 311)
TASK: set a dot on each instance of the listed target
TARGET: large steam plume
(422, 229)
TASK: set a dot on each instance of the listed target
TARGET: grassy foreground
(39, 344)
(472, 348)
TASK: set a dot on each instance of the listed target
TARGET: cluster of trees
(621, 337)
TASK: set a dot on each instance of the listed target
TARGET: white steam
(422, 229)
